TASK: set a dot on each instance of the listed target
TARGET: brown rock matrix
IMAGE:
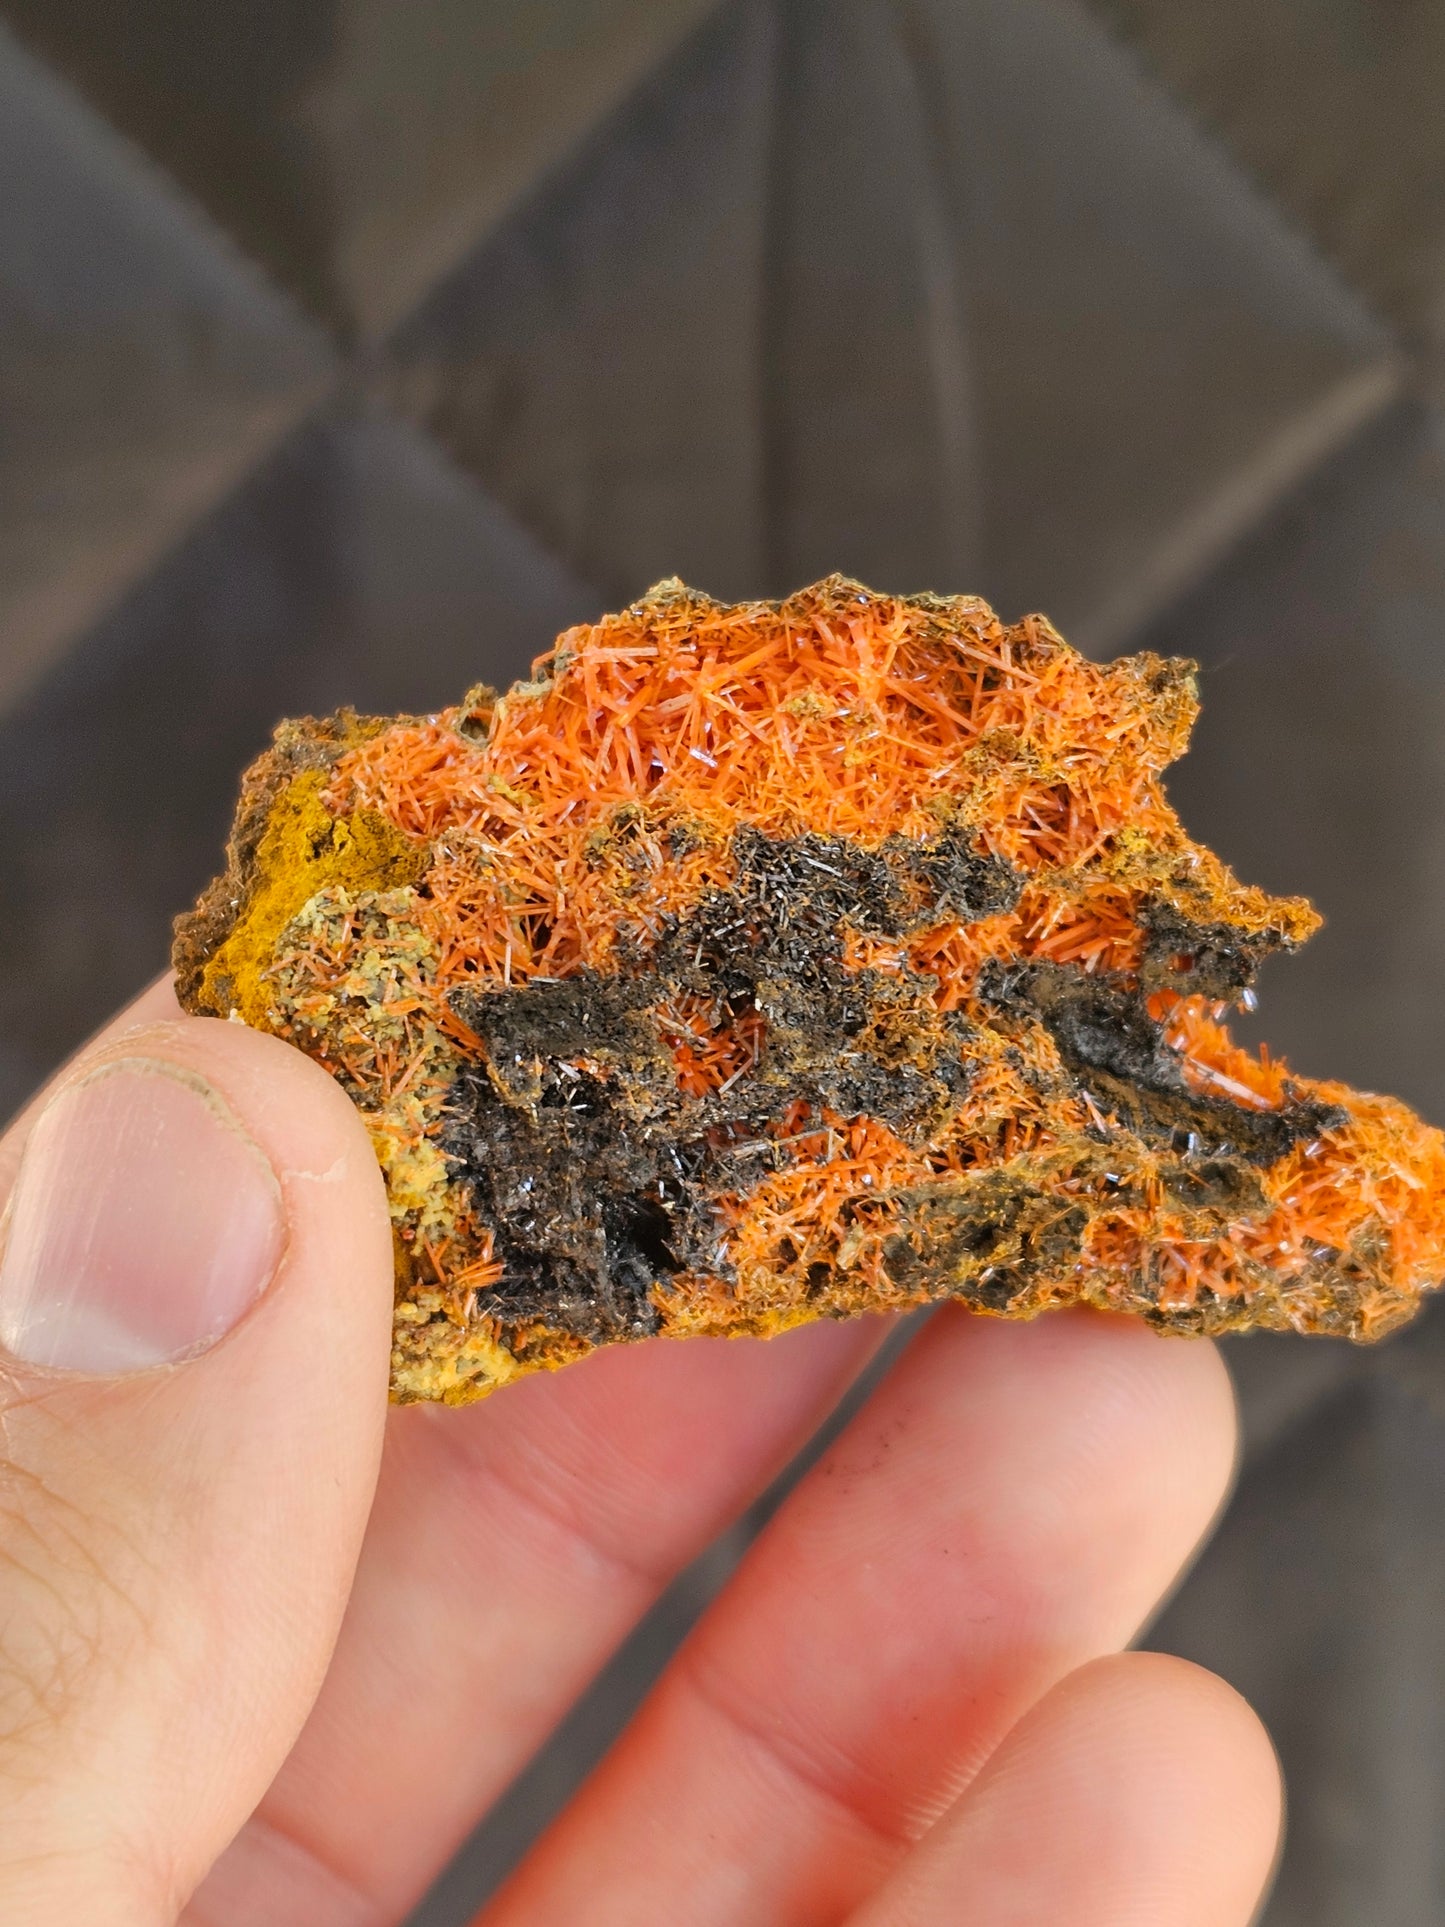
(779, 961)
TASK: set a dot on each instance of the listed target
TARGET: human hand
(268, 1651)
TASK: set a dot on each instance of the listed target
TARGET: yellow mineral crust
(761, 963)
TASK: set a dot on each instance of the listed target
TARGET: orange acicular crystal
(763, 963)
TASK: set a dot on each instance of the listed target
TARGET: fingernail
(144, 1222)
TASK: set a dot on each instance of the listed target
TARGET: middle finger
(1011, 1502)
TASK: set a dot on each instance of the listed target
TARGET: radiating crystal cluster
(762, 963)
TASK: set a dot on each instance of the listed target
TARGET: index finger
(512, 1546)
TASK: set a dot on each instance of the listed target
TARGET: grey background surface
(350, 349)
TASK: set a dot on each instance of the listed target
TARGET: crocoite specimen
(774, 962)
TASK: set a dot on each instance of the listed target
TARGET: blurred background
(351, 348)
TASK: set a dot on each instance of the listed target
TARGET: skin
(230, 1693)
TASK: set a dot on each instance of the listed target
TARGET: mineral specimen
(782, 961)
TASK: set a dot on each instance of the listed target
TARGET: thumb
(195, 1305)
